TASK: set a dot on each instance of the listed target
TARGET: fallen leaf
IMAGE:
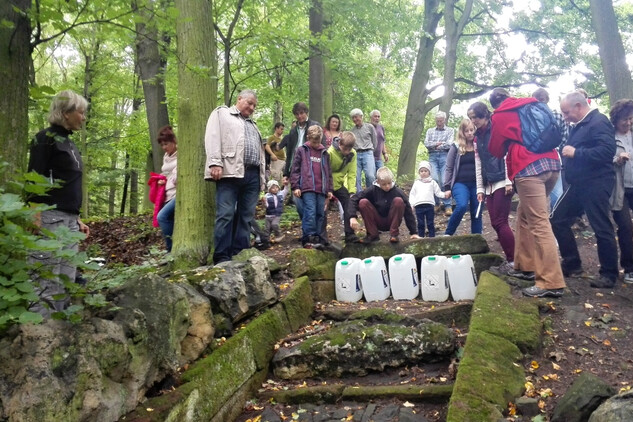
(588, 306)
(606, 343)
(555, 366)
(534, 365)
(512, 409)
(407, 404)
(606, 305)
(149, 409)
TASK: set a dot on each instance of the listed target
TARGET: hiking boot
(394, 239)
(539, 292)
(628, 278)
(279, 238)
(602, 283)
(503, 269)
(523, 275)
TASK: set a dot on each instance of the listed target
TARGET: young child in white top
(422, 199)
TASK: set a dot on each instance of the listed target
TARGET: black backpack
(539, 128)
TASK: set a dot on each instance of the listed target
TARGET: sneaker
(448, 211)
(602, 283)
(539, 292)
(576, 272)
(316, 242)
(523, 275)
(628, 278)
(369, 239)
(279, 238)
(394, 239)
(262, 246)
(503, 269)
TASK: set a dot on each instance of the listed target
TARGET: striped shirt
(439, 140)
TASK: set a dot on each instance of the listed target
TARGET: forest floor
(587, 330)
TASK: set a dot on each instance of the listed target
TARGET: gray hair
(575, 97)
(65, 102)
(374, 112)
(356, 112)
(384, 175)
(440, 114)
(247, 93)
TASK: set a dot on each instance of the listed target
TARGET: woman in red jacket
(534, 176)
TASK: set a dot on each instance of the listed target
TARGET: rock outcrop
(357, 347)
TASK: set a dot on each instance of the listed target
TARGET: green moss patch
(318, 265)
(299, 303)
(490, 375)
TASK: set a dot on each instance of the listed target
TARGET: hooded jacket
(343, 168)
(506, 136)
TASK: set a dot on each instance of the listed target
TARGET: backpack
(539, 128)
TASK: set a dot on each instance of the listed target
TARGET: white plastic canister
(347, 280)
(434, 278)
(373, 273)
(461, 277)
(403, 276)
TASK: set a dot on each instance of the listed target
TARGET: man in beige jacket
(236, 162)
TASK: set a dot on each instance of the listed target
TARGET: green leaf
(30, 317)
(24, 287)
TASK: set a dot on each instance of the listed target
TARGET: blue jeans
(313, 213)
(463, 193)
(438, 166)
(379, 163)
(235, 200)
(426, 219)
(165, 219)
(365, 162)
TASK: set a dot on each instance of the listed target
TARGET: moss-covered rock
(489, 374)
(247, 254)
(357, 347)
(443, 245)
(316, 264)
(496, 312)
(323, 291)
(299, 303)
(484, 261)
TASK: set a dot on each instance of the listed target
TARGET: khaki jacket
(224, 144)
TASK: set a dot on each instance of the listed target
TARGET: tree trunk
(316, 62)
(112, 189)
(454, 29)
(416, 107)
(126, 182)
(197, 91)
(151, 68)
(15, 62)
(616, 72)
(133, 192)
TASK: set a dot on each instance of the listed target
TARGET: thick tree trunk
(416, 105)
(197, 90)
(454, 28)
(151, 68)
(612, 54)
(15, 62)
(316, 62)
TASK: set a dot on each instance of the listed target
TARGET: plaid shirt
(563, 127)
(252, 143)
(539, 166)
(439, 140)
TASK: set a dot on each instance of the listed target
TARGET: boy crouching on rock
(382, 206)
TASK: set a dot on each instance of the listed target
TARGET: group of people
(487, 161)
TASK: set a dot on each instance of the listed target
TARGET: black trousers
(592, 198)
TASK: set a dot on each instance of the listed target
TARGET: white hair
(374, 112)
(440, 114)
(356, 112)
